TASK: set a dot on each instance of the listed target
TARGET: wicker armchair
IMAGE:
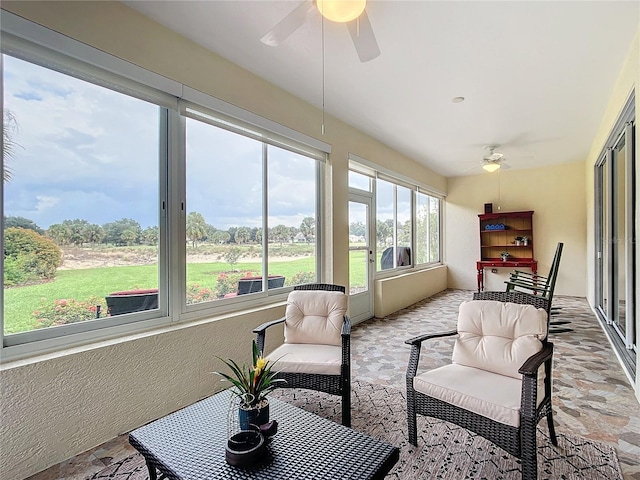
(499, 382)
(316, 353)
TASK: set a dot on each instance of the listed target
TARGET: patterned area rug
(445, 451)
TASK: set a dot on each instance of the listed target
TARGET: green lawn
(83, 284)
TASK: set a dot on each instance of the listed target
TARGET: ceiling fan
(350, 12)
(493, 160)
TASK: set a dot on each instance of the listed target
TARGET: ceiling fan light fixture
(341, 11)
(491, 166)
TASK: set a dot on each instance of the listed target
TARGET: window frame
(39, 45)
(369, 169)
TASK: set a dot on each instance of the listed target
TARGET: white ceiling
(536, 75)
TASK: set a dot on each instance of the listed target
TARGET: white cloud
(45, 203)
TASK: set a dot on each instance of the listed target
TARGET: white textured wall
(56, 407)
(393, 294)
(557, 197)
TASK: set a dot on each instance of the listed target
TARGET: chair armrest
(346, 327)
(532, 364)
(418, 340)
(266, 325)
(414, 355)
(262, 330)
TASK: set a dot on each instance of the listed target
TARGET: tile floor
(592, 395)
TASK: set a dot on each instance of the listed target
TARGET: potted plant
(505, 256)
(251, 384)
(525, 240)
(518, 241)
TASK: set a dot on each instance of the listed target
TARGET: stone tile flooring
(592, 395)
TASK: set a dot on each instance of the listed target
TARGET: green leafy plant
(252, 383)
(64, 311)
(198, 294)
(37, 256)
(302, 277)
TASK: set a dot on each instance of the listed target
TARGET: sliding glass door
(615, 177)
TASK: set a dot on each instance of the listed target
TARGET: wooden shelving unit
(499, 232)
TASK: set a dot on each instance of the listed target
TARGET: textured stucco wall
(557, 197)
(393, 294)
(57, 408)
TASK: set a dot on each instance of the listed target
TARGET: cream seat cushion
(306, 358)
(315, 317)
(485, 393)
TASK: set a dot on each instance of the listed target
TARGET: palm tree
(9, 128)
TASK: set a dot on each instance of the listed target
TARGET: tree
(232, 255)
(113, 231)
(21, 222)
(9, 130)
(93, 233)
(59, 233)
(243, 234)
(358, 229)
(280, 233)
(78, 231)
(196, 228)
(211, 230)
(308, 228)
(150, 236)
(129, 236)
(383, 232)
(232, 232)
(221, 237)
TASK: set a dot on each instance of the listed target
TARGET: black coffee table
(190, 445)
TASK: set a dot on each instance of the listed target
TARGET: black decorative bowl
(245, 448)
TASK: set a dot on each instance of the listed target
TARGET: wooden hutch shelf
(510, 232)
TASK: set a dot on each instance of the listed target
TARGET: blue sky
(90, 153)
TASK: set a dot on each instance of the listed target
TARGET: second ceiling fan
(350, 12)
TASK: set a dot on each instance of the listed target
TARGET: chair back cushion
(497, 336)
(315, 316)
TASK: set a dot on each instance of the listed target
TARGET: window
(228, 254)
(102, 167)
(407, 219)
(81, 200)
(393, 225)
(427, 228)
(359, 181)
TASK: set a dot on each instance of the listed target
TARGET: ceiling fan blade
(363, 38)
(289, 24)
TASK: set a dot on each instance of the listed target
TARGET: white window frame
(37, 44)
(373, 171)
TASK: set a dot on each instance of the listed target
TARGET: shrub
(63, 311)
(227, 284)
(197, 294)
(301, 278)
(15, 271)
(30, 256)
